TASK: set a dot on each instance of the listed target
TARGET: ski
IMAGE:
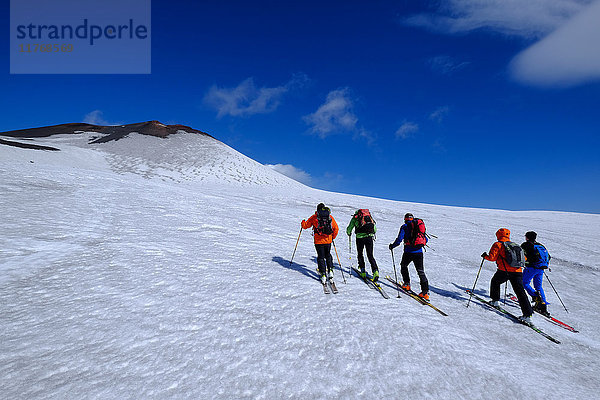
(371, 284)
(333, 287)
(513, 317)
(415, 296)
(379, 288)
(549, 317)
(325, 288)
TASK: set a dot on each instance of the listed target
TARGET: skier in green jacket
(364, 225)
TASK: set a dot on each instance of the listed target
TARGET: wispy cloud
(406, 130)
(438, 146)
(447, 65)
(290, 171)
(568, 32)
(362, 133)
(332, 181)
(529, 19)
(96, 117)
(567, 57)
(439, 114)
(334, 116)
(246, 99)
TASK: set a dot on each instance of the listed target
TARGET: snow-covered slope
(177, 157)
(160, 268)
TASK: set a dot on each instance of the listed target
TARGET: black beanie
(531, 235)
(320, 206)
(408, 215)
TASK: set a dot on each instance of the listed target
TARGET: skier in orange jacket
(325, 230)
(508, 271)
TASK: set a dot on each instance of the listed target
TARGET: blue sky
(475, 103)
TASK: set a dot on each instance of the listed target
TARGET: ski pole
(350, 252)
(339, 263)
(482, 260)
(561, 302)
(395, 274)
(294, 253)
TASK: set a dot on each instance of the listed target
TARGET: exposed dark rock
(27, 145)
(151, 128)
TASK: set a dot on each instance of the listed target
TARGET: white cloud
(96, 118)
(406, 130)
(439, 114)
(525, 18)
(292, 172)
(334, 116)
(567, 57)
(447, 65)
(567, 53)
(246, 99)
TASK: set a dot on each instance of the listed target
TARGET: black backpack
(324, 222)
(514, 255)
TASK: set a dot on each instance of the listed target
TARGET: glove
(391, 246)
(303, 221)
(484, 255)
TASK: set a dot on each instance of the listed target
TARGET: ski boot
(525, 320)
(363, 273)
(330, 273)
(375, 275)
(541, 308)
(323, 279)
(424, 296)
(536, 299)
(406, 286)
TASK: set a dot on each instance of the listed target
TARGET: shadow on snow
(480, 293)
(303, 269)
(450, 294)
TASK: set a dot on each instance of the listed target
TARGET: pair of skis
(409, 293)
(373, 285)
(512, 316)
(329, 283)
(550, 318)
(415, 296)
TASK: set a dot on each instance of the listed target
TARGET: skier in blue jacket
(413, 252)
(537, 259)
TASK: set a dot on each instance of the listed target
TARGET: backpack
(415, 234)
(514, 255)
(366, 223)
(324, 222)
(541, 257)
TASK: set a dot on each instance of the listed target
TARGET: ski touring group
(521, 265)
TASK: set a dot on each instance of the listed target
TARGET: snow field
(119, 280)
